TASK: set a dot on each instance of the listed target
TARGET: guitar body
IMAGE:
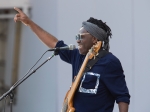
(67, 107)
(68, 101)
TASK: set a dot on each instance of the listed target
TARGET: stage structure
(9, 66)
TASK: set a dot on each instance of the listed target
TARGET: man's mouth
(79, 46)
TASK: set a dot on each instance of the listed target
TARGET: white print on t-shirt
(90, 91)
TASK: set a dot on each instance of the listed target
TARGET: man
(105, 82)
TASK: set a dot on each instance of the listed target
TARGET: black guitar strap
(92, 61)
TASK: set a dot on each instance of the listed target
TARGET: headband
(95, 31)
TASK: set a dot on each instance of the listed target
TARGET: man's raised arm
(44, 36)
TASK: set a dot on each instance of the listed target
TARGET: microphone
(69, 47)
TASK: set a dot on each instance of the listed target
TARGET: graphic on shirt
(89, 83)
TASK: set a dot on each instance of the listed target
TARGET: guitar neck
(75, 84)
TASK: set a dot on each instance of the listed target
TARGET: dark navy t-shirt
(101, 86)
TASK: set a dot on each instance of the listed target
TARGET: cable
(29, 70)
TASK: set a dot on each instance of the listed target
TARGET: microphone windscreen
(72, 47)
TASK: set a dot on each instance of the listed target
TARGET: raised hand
(20, 16)
(43, 35)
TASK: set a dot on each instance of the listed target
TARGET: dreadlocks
(106, 28)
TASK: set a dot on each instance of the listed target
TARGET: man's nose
(78, 40)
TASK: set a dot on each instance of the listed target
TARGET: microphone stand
(10, 91)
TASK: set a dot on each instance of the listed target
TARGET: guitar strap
(92, 61)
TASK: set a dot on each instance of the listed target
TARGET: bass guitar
(68, 101)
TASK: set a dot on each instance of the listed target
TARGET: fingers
(17, 17)
(17, 9)
(21, 16)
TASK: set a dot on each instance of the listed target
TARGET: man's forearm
(46, 37)
(123, 107)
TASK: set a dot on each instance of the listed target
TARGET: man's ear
(95, 40)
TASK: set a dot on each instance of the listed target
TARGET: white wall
(12, 3)
(129, 21)
(142, 56)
